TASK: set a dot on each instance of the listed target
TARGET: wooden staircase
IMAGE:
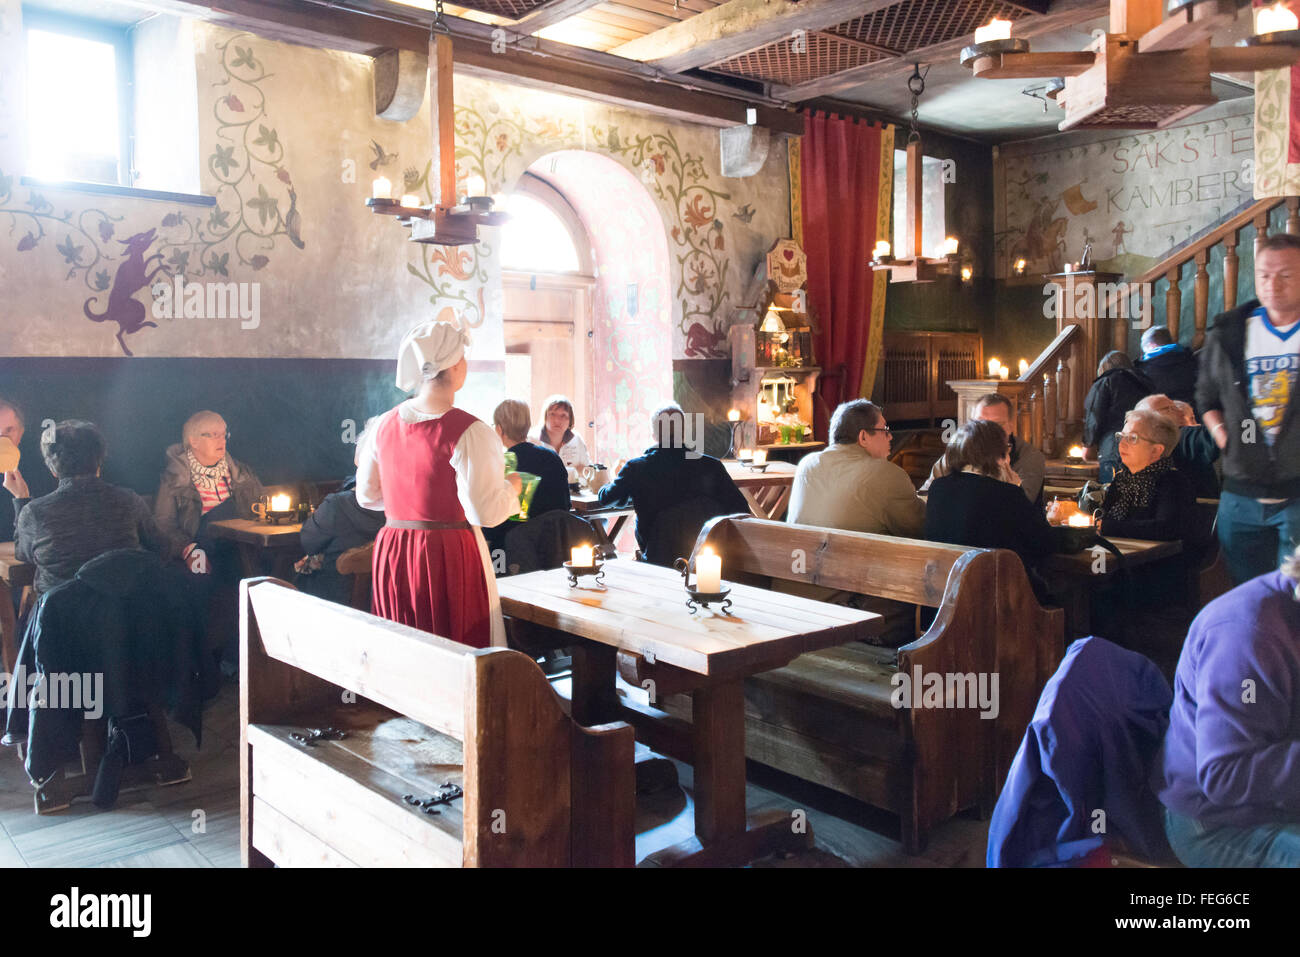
(1051, 415)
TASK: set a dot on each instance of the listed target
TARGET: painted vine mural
(244, 224)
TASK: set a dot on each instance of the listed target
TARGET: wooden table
(642, 611)
(14, 577)
(1078, 571)
(588, 506)
(768, 492)
(263, 549)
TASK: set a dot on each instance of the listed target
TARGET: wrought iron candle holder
(705, 598)
(761, 467)
(594, 570)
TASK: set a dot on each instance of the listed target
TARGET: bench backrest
(522, 754)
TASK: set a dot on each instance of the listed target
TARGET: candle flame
(280, 503)
(995, 29)
(1076, 451)
(1079, 520)
(1275, 19)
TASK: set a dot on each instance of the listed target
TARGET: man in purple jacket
(1229, 771)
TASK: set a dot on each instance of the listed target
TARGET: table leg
(617, 528)
(718, 729)
(8, 629)
(593, 699)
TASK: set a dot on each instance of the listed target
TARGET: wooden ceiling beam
(1064, 13)
(550, 14)
(739, 26)
(531, 61)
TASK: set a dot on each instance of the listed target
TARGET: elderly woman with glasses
(1148, 498)
(202, 484)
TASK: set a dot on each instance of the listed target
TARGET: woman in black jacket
(979, 502)
(1119, 387)
(1149, 498)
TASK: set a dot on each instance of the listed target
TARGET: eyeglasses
(1132, 438)
(886, 430)
(215, 435)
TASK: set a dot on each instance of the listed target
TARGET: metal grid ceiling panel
(1133, 116)
(913, 24)
(778, 63)
(510, 9)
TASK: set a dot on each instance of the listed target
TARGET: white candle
(1076, 451)
(1079, 520)
(995, 29)
(760, 456)
(411, 201)
(746, 454)
(1275, 19)
(994, 366)
(881, 250)
(382, 188)
(950, 246)
(966, 273)
(1003, 372)
(1024, 366)
(733, 416)
(708, 571)
(475, 186)
(279, 503)
(581, 556)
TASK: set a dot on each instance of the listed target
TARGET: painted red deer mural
(133, 274)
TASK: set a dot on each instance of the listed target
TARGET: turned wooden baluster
(1047, 442)
(1035, 434)
(1261, 230)
(1023, 420)
(1173, 301)
(1063, 403)
(1202, 298)
(1293, 215)
(1230, 269)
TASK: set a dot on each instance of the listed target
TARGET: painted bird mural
(745, 213)
(381, 158)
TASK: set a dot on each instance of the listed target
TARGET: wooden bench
(828, 716)
(418, 712)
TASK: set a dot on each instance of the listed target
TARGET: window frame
(119, 37)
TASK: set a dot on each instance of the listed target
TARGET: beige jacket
(844, 487)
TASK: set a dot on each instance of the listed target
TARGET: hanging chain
(439, 24)
(915, 86)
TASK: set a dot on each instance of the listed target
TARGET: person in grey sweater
(85, 516)
(1029, 464)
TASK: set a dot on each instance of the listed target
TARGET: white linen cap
(437, 344)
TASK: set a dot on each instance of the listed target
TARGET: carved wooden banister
(1048, 403)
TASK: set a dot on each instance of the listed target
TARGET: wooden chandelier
(1151, 69)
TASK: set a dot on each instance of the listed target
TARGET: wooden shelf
(791, 445)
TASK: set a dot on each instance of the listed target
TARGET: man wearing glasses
(1248, 371)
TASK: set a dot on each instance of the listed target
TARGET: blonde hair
(513, 418)
(1158, 428)
(195, 422)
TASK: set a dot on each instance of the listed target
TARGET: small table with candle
(1072, 576)
(263, 549)
(641, 611)
(588, 506)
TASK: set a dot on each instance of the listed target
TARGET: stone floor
(196, 824)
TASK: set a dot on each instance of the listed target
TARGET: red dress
(431, 579)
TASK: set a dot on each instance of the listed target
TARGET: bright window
(535, 239)
(75, 123)
(933, 227)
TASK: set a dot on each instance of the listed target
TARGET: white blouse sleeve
(479, 461)
(574, 452)
(370, 493)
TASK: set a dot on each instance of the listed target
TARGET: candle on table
(280, 503)
(995, 29)
(581, 556)
(1079, 520)
(382, 188)
(1275, 19)
(708, 571)
(994, 366)
(760, 456)
(1024, 366)
(1076, 451)
(1003, 372)
(746, 454)
(733, 416)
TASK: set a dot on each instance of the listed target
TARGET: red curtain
(841, 187)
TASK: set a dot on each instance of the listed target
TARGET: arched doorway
(587, 310)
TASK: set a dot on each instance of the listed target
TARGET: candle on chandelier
(475, 186)
(995, 29)
(411, 201)
(708, 572)
(1003, 372)
(881, 251)
(948, 247)
(381, 188)
(1275, 19)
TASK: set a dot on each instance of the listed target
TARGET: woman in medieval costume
(439, 475)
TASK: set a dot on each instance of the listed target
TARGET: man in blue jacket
(1228, 773)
